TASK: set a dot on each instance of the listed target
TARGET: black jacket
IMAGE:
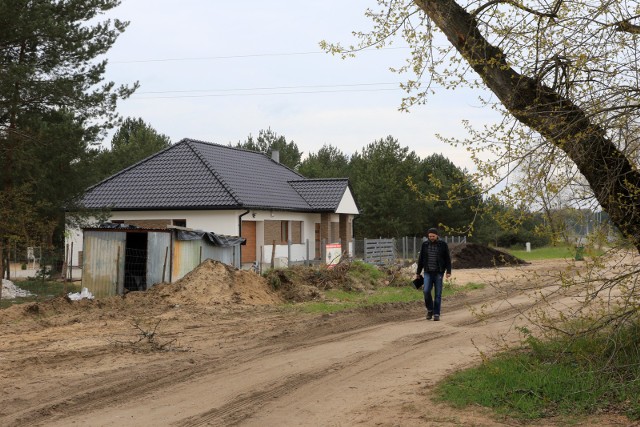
(444, 258)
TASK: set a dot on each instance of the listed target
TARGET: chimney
(275, 156)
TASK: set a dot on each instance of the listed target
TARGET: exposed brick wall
(272, 230)
(296, 231)
(335, 232)
(325, 227)
(345, 232)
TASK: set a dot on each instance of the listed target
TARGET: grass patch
(563, 377)
(549, 252)
(553, 252)
(339, 300)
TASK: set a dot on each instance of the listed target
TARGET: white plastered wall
(225, 222)
(219, 222)
(298, 251)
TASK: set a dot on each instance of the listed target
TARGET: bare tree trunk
(614, 180)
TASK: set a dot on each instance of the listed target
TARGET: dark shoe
(429, 315)
(436, 318)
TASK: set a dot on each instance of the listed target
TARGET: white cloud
(204, 69)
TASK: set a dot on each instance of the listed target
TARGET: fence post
(414, 248)
(352, 249)
(364, 255)
(288, 253)
(70, 266)
(273, 255)
(164, 264)
(405, 248)
(306, 261)
(119, 286)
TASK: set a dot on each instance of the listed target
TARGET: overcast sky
(219, 71)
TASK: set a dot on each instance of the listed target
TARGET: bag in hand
(417, 283)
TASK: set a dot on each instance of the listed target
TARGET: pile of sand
(215, 283)
(211, 284)
(471, 255)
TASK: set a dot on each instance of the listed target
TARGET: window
(282, 231)
(296, 232)
(179, 222)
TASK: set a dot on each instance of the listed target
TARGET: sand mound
(471, 255)
(215, 283)
(211, 284)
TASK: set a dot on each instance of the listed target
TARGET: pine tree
(54, 103)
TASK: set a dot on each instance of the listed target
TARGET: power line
(252, 55)
(268, 88)
(269, 93)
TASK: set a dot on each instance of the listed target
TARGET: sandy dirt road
(253, 365)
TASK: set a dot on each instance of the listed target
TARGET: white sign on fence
(334, 254)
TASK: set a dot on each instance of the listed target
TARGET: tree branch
(628, 27)
(613, 178)
(518, 5)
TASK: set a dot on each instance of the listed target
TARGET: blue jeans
(433, 280)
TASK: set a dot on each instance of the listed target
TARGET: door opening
(135, 262)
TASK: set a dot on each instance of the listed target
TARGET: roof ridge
(230, 147)
(246, 150)
(318, 179)
(213, 172)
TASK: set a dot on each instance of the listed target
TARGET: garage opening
(135, 262)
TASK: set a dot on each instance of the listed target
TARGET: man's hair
(433, 230)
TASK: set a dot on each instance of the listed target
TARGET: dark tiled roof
(199, 175)
(321, 194)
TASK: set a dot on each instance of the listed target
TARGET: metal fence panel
(379, 251)
(382, 251)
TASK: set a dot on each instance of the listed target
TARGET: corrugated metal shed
(119, 257)
(103, 261)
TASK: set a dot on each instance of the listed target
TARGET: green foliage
(567, 376)
(346, 275)
(54, 105)
(520, 237)
(268, 141)
(328, 162)
(523, 387)
(378, 174)
(398, 193)
(448, 197)
(134, 140)
(365, 272)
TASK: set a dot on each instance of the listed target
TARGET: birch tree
(563, 73)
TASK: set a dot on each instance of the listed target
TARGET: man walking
(435, 259)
